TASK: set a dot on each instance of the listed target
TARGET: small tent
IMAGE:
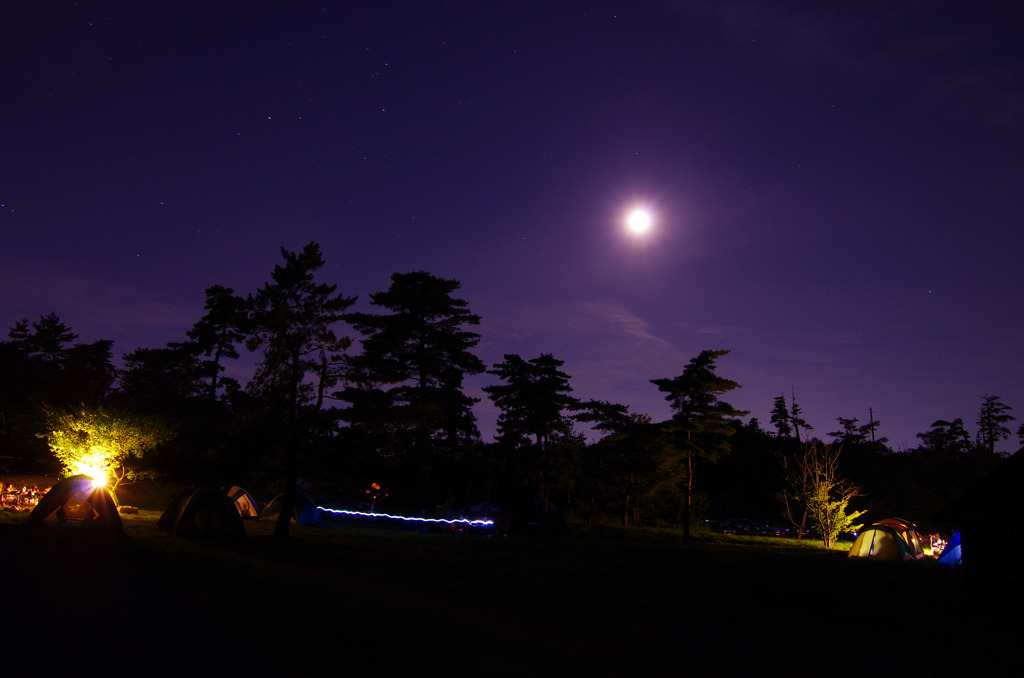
(908, 532)
(243, 501)
(989, 519)
(881, 543)
(460, 507)
(951, 554)
(305, 511)
(76, 502)
(202, 512)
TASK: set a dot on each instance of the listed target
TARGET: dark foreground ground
(336, 601)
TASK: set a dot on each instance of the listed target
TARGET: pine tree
(780, 417)
(993, 420)
(701, 424)
(408, 393)
(291, 324)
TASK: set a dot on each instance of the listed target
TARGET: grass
(343, 598)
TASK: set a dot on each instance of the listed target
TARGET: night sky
(837, 188)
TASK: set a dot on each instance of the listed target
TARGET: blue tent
(305, 511)
(951, 554)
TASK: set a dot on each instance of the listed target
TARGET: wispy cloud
(609, 349)
(561, 322)
(620, 319)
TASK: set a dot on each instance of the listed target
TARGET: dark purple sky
(839, 187)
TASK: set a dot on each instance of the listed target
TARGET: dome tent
(881, 543)
(988, 518)
(202, 512)
(950, 556)
(305, 511)
(244, 502)
(78, 502)
(908, 532)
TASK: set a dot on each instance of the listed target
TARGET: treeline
(383, 416)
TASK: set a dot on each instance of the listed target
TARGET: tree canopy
(99, 441)
(406, 386)
(291, 324)
(701, 423)
(406, 418)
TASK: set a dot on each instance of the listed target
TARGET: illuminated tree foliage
(815, 485)
(99, 442)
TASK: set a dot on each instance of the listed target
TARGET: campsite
(342, 597)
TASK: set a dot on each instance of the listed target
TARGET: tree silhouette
(43, 367)
(291, 324)
(219, 331)
(535, 401)
(992, 422)
(407, 390)
(701, 424)
(780, 417)
(947, 437)
(852, 432)
(162, 380)
(797, 420)
(622, 462)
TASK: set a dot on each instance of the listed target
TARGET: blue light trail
(482, 522)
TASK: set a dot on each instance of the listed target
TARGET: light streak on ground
(482, 522)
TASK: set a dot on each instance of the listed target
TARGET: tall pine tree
(291, 324)
(407, 384)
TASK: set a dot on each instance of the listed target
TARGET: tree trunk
(629, 496)
(689, 499)
(291, 461)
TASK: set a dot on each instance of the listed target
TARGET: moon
(639, 221)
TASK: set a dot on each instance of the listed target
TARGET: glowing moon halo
(639, 221)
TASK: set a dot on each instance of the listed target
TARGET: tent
(244, 503)
(75, 502)
(202, 512)
(908, 532)
(951, 554)
(881, 543)
(989, 519)
(460, 507)
(305, 511)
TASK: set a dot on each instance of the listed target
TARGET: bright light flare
(92, 466)
(639, 221)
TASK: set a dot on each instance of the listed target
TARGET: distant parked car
(748, 526)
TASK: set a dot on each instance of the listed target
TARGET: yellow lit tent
(890, 539)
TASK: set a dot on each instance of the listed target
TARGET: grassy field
(343, 598)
